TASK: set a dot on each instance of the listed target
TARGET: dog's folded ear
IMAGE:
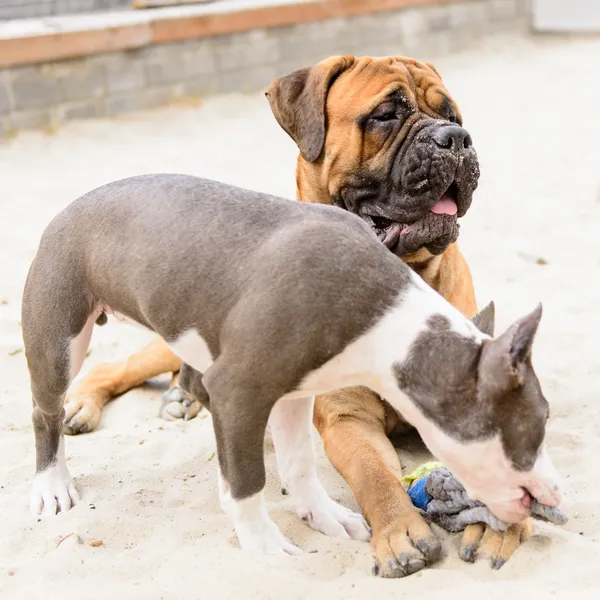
(504, 360)
(298, 103)
(485, 319)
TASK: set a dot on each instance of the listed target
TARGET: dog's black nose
(452, 137)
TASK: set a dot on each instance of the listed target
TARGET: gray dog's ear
(298, 103)
(503, 359)
(485, 320)
(524, 331)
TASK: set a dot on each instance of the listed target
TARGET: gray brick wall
(25, 9)
(112, 84)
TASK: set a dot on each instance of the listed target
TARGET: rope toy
(434, 490)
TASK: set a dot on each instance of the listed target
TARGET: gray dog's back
(146, 242)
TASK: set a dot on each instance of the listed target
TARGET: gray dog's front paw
(178, 404)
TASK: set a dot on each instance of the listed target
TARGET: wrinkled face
(382, 138)
(397, 154)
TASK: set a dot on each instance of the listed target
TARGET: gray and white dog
(274, 302)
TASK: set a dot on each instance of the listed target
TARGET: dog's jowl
(262, 324)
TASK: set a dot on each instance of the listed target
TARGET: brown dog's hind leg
(85, 403)
(352, 424)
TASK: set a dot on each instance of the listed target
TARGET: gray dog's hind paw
(178, 404)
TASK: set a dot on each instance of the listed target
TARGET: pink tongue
(444, 206)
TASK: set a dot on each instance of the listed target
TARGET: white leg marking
(79, 346)
(53, 490)
(291, 428)
(193, 350)
(253, 525)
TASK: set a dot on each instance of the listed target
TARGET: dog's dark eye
(384, 112)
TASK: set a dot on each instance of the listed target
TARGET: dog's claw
(405, 547)
(467, 554)
(431, 548)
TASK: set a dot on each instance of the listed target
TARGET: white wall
(566, 15)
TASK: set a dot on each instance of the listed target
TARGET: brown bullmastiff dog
(383, 138)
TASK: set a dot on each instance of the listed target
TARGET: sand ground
(149, 487)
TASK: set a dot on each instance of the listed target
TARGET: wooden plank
(167, 29)
(75, 36)
(71, 44)
(163, 3)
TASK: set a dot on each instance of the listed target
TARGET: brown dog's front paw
(404, 547)
(82, 415)
(178, 404)
(481, 541)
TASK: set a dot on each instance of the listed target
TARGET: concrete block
(502, 10)
(173, 68)
(159, 53)
(200, 87)
(437, 17)
(5, 100)
(157, 97)
(525, 8)
(80, 84)
(334, 27)
(125, 77)
(408, 23)
(479, 13)
(7, 131)
(32, 89)
(256, 79)
(122, 104)
(228, 82)
(294, 46)
(460, 14)
(372, 28)
(166, 71)
(434, 45)
(38, 118)
(88, 109)
(121, 82)
(249, 50)
(201, 59)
